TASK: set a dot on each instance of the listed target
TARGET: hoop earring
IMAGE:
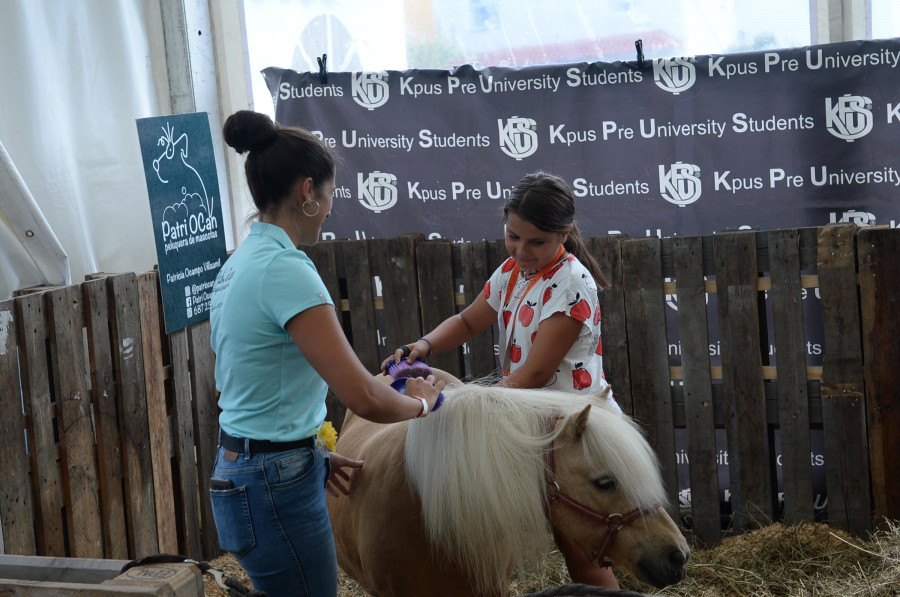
(303, 208)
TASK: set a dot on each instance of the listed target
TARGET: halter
(613, 522)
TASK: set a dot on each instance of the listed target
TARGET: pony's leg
(581, 569)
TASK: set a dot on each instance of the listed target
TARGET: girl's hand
(335, 485)
(418, 350)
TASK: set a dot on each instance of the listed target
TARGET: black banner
(676, 146)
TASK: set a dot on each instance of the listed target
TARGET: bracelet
(428, 342)
(424, 412)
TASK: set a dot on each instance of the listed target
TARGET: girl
(544, 299)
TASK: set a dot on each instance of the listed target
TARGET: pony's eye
(604, 482)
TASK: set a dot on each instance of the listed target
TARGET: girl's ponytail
(575, 246)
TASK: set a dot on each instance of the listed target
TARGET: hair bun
(249, 131)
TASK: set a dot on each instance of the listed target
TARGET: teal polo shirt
(268, 389)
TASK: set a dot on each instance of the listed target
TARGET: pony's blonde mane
(478, 468)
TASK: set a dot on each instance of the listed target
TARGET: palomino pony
(449, 504)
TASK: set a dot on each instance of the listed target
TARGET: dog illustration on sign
(195, 204)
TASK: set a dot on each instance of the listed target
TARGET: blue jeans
(275, 522)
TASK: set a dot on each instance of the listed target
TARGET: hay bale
(799, 560)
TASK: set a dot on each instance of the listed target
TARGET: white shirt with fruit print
(569, 288)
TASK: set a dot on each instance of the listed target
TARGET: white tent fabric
(32, 254)
(75, 76)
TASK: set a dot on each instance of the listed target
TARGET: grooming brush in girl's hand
(402, 371)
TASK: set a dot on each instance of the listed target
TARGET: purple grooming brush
(404, 369)
(399, 384)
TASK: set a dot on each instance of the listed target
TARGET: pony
(449, 504)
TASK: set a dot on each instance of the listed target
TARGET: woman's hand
(427, 388)
(418, 350)
(335, 485)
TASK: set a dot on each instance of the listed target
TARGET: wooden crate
(39, 576)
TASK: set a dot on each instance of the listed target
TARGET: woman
(278, 348)
(544, 299)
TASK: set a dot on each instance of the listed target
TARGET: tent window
(885, 19)
(405, 34)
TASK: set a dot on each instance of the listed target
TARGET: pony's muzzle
(662, 572)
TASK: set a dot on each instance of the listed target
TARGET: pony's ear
(581, 421)
(604, 395)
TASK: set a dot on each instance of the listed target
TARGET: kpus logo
(370, 90)
(852, 216)
(518, 136)
(377, 191)
(680, 183)
(848, 118)
(674, 74)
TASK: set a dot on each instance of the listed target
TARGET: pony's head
(608, 500)
(480, 469)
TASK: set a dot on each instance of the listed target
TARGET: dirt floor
(807, 560)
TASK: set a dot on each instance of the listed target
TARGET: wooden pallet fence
(742, 289)
(109, 425)
(90, 405)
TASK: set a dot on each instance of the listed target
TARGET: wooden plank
(68, 577)
(807, 252)
(326, 256)
(106, 419)
(790, 358)
(323, 255)
(879, 278)
(770, 373)
(134, 429)
(496, 255)
(809, 248)
(206, 426)
(475, 273)
(812, 390)
(645, 321)
(437, 296)
(157, 417)
(352, 258)
(743, 392)
(32, 290)
(843, 397)
(361, 297)
(185, 457)
(41, 409)
(76, 432)
(17, 507)
(698, 399)
(394, 262)
(50, 569)
(607, 250)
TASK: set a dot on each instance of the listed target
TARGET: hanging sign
(180, 170)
